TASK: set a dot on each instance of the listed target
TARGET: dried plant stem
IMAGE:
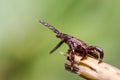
(91, 70)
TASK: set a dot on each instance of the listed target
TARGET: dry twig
(91, 70)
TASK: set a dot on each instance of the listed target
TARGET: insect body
(75, 45)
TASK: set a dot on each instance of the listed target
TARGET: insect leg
(84, 54)
(58, 45)
(72, 51)
(72, 48)
(82, 51)
(101, 53)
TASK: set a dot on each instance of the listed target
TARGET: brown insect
(75, 45)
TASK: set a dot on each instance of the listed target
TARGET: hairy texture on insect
(75, 45)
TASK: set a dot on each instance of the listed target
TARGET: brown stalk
(91, 70)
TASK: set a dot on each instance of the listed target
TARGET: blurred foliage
(25, 44)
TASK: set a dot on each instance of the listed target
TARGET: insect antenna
(49, 26)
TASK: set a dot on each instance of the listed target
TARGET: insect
(75, 45)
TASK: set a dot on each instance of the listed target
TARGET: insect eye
(58, 35)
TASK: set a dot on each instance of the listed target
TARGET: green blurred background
(25, 44)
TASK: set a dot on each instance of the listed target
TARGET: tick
(75, 45)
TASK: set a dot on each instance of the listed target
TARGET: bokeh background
(25, 44)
